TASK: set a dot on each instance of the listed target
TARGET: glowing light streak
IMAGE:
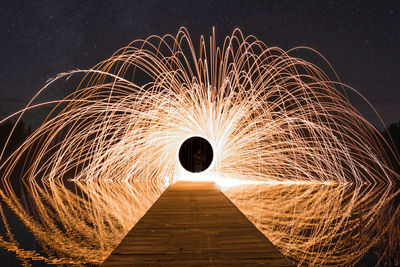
(268, 115)
(320, 225)
(275, 121)
(78, 225)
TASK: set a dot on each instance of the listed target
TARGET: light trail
(269, 117)
(77, 223)
(324, 225)
(274, 121)
(311, 223)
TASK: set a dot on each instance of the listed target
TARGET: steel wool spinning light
(264, 116)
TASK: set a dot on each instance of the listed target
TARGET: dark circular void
(196, 154)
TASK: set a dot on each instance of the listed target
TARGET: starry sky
(361, 39)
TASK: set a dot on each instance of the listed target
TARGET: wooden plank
(194, 223)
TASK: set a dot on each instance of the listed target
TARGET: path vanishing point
(194, 223)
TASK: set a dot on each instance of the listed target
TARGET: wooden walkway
(194, 223)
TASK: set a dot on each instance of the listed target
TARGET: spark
(80, 223)
(274, 121)
(268, 116)
(319, 224)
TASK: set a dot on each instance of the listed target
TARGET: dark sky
(42, 38)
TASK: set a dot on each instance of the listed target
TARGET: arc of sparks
(269, 117)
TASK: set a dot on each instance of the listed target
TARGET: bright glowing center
(196, 154)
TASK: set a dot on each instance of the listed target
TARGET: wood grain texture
(195, 224)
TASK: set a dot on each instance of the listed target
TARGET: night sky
(40, 39)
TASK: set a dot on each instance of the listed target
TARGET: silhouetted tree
(392, 136)
(20, 133)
